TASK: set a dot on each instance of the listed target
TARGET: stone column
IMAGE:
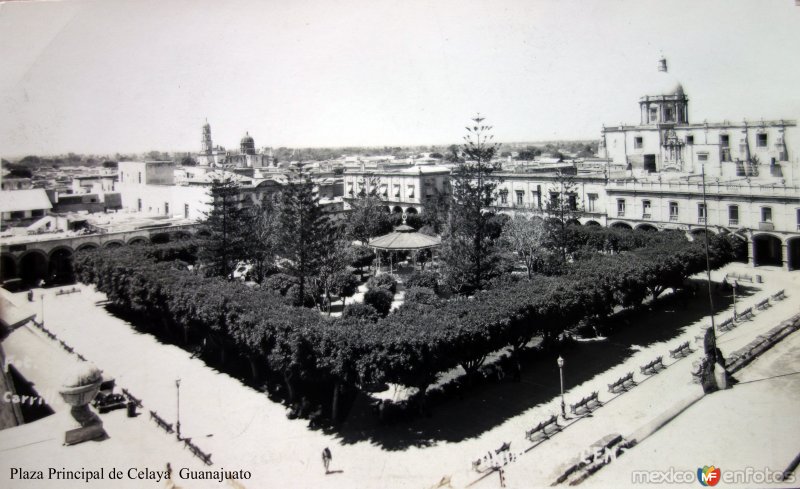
(750, 252)
(784, 256)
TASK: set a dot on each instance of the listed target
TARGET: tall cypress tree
(305, 232)
(226, 225)
(468, 250)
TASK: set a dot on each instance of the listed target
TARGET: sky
(129, 76)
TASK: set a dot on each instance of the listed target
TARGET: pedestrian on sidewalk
(326, 459)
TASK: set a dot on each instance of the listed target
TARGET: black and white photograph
(428, 244)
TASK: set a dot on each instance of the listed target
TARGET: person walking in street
(326, 459)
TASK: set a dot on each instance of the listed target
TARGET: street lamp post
(42, 318)
(560, 362)
(178, 424)
(735, 284)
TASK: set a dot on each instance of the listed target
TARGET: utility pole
(178, 424)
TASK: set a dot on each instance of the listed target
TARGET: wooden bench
(541, 428)
(741, 277)
(70, 291)
(746, 314)
(779, 296)
(205, 457)
(682, 350)
(130, 397)
(160, 422)
(620, 383)
(763, 304)
(506, 446)
(584, 403)
(652, 367)
(726, 325)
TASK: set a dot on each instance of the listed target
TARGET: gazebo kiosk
(403, 238)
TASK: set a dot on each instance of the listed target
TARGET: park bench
(741, 277)
(726, 325)
(680, 352)
(160, 422)
(205, 457)
(652, 367)
(70, 291)
(68, 348)
(584, 403)
(620, 383)
(746, 314)
(763, 304)
(503, 448)
(541, 428)
(779, 296)
(130, 397)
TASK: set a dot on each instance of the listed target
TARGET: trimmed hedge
(411, 346)
(380, 299)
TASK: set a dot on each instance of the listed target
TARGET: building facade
(666, 172)
(401, 189)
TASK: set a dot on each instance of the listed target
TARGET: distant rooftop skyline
(124, 76)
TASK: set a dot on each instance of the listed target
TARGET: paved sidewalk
(242, 428)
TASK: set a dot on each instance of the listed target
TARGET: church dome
(662, 82)
(247, 146)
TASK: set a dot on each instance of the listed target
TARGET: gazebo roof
(404, 238)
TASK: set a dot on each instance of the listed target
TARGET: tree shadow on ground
(485, 406)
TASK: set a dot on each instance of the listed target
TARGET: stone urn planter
(78, 390)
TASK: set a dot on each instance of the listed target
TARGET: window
(572, 199)
(761, 140)
(701, 213)
(620, 207)
(397, 190)
(520, 197)
(673, 211)
(37, 213)
(139, 204)
(538, 196)
(733, 215)
(186, 211)
(689, 140)
(554, 200)
(766, 214)
(410, 191)
(592, 202)
(17, 214)
(166, 208)
(702, 156)
(504, 196)
(724, 140)
(384, 190)
(653, 114)
(669, 114)
(646, 209)
(350, 188)
(638, 142)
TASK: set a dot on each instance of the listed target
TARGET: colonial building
(666, 172)
(747, 170)
(401, 189)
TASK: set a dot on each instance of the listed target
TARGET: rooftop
(24, 200)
